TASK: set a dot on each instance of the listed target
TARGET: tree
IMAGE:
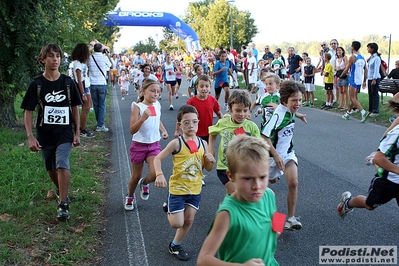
(210, 19)
(27, 25)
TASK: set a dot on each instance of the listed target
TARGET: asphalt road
(331, 153)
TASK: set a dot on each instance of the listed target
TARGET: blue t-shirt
(223, 76)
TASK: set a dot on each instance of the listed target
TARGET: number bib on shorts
(56, 115)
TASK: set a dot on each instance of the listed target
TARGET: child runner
(221, 70)
(54, 133)
(237, 225)
(145, 123)
(385, 185)
(192, 86)
(159, 75)
(271, 99)
(190, 156)
(239, 104)
(278, 132)
(123, 82)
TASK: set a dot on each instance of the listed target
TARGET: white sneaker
(226, 107)
(91, 110)
(342, 208)
(292, 224)
(171, 107)
(123, 98)
(102, 129)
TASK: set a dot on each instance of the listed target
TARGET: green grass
(29, 231)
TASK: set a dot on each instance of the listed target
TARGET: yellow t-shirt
(186, 178)
(329, 69)
(188, 60)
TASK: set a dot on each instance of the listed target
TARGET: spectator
(373, 79)
(294, 64)
(394, 74)
(98, 64)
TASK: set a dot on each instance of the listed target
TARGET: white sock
(363, 111)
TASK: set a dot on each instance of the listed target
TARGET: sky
(285, 21)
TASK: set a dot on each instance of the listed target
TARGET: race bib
(56, 115)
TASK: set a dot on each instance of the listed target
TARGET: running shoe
(129, 203)
(364, 116)
(63, 211)
(144, 190)
(292, 224)
(342, 208)
(178, 252)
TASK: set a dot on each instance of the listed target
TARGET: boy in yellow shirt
(190, 156)
(328, 81)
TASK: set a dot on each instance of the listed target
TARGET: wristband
(31, 134)
(84, 94)
(158, 174)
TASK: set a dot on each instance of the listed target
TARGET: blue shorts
(176, 203)
(222, 176)
(353, 85)
(57, 157)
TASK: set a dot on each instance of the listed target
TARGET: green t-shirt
(250, 232)
(225, 128)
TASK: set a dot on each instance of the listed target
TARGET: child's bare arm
(302, 117)
(381, 160)
(172, 146)
(213, 241)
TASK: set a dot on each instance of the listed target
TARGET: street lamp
(231, 23)
(389, 49)
(178, 25)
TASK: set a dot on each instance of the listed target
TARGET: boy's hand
(279, 162)
(209, 157)
(160, 181)
(302, 117)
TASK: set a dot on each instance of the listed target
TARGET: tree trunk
(7, 111)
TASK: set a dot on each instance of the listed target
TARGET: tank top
(187, 169)
(149, 130)
(357, 70)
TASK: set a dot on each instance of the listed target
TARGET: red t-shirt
(205, 109)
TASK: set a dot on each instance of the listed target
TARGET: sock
(363, 111)
(346, 203)
(175, 244)
(347, 113)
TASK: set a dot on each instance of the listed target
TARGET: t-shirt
(389, 146)
(186, 178)
(328, 68)
(205, 109)
(54, 121)
(225, 128)
(276, 64)
(309, 70)
(280, 129)
(223, 76)
(267, 111)
(250, 233)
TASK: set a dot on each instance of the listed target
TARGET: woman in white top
(340, 64)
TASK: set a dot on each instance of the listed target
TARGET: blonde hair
(272, 76)
(243, 148)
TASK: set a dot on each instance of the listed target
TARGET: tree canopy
(27, 25)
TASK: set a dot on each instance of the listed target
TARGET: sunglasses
(323, 45)
(333, 43)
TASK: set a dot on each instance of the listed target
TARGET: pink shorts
(139, 152)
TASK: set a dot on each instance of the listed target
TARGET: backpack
(383, 69)
(38, 81)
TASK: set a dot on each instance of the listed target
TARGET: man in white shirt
(98, 64)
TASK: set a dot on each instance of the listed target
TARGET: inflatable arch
(155, 19)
